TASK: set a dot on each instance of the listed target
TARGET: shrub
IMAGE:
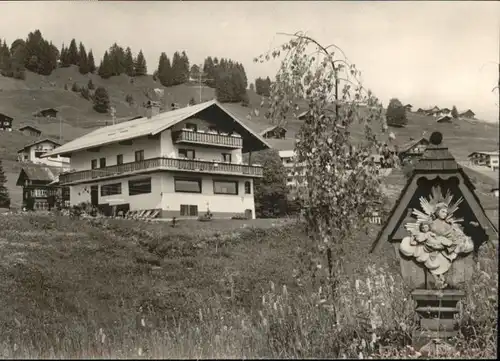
(396, 114)
(90, 85)
(129, 99)
(75, 87)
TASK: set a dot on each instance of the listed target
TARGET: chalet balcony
(215, 139)
(159, 164)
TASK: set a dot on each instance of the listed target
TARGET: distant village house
(469, 114)
(30, 131)
(32, 153)
(485, 159)
(40, 187)
(275, 132)
(47, 113)
(6, 122)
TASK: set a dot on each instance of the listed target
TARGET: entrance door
(248, 213)
(94, 195)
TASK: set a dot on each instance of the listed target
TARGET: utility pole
(113, 112)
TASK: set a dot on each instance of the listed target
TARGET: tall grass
(93, 294)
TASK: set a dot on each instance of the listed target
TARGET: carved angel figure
(436, 238)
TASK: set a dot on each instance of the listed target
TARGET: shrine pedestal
(435, 311)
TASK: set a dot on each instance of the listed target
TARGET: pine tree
(184, 68)
(117, 58)
(4, 192)
(140, 67)
(177, 69)
(129, 62)
(73, 57)
(105, 69)
(90, 85)
(164, 70)
(65, 57)
(83, 66)
(209, 70)
(101, 100)
(454, 112)
(5, 60)
(91, 62)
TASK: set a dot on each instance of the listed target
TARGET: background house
(30, 131)
(179, 163)
(47, 113)
(32, 153)
(6, 122)
(469, 114)
(38, 192)
(485, 159)
(274, 132)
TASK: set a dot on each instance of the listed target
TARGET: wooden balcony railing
(225, 141)
(178, 164)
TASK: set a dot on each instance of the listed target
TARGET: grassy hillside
(125, 289)
(20, 99)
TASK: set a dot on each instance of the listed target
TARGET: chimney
(152, 109)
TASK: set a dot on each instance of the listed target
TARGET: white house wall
(163, 196)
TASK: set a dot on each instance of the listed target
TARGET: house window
(187, 153)
(225, 187)
(102, 162)
(187, 185)
(111, 189)
(189, 210)
(248, 187)
(139, 186)
(139, 156)
(93, 164)
(191, 126)
(226, 157)
(212, 128)
(119, 159)
(38, 154)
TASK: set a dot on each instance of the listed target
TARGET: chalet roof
(271, 128)
(36, 172)
(436, 162)
(444, 118)
(5, 116)
(495, 152)
(30, 127)
(408, 145)
(146, 126)
(282, 144)
(38, 142)
(468, 111)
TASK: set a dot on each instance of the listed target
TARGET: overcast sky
(423, 53)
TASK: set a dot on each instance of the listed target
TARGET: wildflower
(143, 323)
(263, 300)
(363, 343)
(200, 314)
(360, 356)
(274, 306)
(139, 351)
(272, 286)
(285, 292)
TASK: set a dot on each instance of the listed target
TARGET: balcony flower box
(188, 129)
(224, 134)
(201, 131)
(235, 135)
(212, 132)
